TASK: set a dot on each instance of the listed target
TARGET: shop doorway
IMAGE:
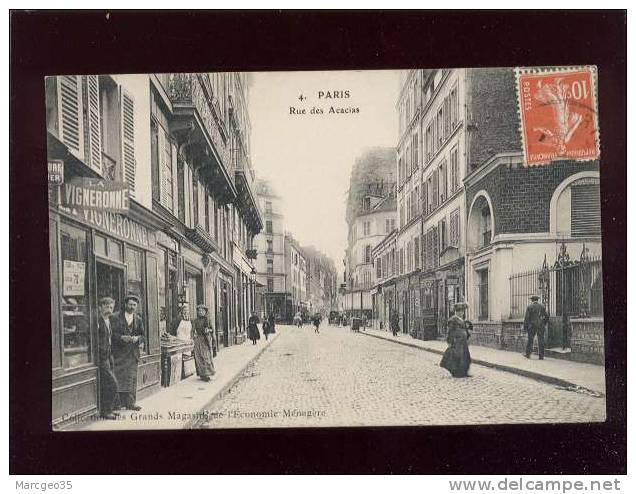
(224, 314)
(111, 280)
(195, 292)
(406, 322)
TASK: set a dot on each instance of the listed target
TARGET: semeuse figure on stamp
(456, 358)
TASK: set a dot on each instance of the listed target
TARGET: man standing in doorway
(534, 323)
(106, 364)
(128, 340)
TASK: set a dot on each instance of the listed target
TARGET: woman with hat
(202, 336)
(456, 358)
(252, 328)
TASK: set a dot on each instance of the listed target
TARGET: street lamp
(253, 291)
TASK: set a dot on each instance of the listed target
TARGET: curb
(191, 424)
(506, 368)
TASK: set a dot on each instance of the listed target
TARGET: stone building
(384, 294)
(295, 276)
(272, 292)
(370, 216)
(322, 279)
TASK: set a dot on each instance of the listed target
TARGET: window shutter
(92, 127)
(187, 192)
(161, 146)
(454, 228)
(416, 252)
(128, 138)
(175, 181)
(435, 247)
(71, 129)
(586, 210)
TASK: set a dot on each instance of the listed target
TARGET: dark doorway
(224, 314)
(110, 283)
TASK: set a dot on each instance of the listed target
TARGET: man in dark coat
(395, 323)
(534, 323)
(105, 362)
(316, 321)
(128, 337)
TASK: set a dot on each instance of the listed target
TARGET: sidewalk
(178, 406)
(554, 371)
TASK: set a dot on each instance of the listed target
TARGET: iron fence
(566, 288)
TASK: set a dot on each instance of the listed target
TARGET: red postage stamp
(558, 112)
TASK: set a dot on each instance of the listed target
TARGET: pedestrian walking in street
(203, 344)
(272, 324)
(128, 338)
(252, 328)
(456, 358)
(298, 320)
(267, 328)
(317, 323)
(534, 323)
(107, 380)
(395, 323)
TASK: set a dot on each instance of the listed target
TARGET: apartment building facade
(158, 147)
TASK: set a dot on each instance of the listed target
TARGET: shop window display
(75, 306)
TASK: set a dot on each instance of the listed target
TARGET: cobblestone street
(340, 378)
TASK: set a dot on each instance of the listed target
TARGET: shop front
(450, 289)
(95, 254)
(428, 304)
(225, 308)
(403, 303)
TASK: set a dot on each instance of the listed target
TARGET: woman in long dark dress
(203, 345)
(456, 358)
(252, 328)
(272, 324)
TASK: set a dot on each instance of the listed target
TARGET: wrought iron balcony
(202, 239)
(189, 91)
(198, 123)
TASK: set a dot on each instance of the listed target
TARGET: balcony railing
(164, 79)
(187, 90)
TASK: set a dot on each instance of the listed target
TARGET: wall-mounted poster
(74, 273)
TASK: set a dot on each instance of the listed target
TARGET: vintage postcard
(325, 249)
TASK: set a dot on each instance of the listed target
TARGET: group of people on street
(269, 327)
(316, 319)
(121, 339)
(456, 358)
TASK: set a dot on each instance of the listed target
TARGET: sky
(308, 158)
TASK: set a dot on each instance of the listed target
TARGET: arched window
(575, 208)
(480, 222)
(367, 254)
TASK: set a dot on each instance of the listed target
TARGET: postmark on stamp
(558, 113)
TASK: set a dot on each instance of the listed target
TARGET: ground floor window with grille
(482, 294)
